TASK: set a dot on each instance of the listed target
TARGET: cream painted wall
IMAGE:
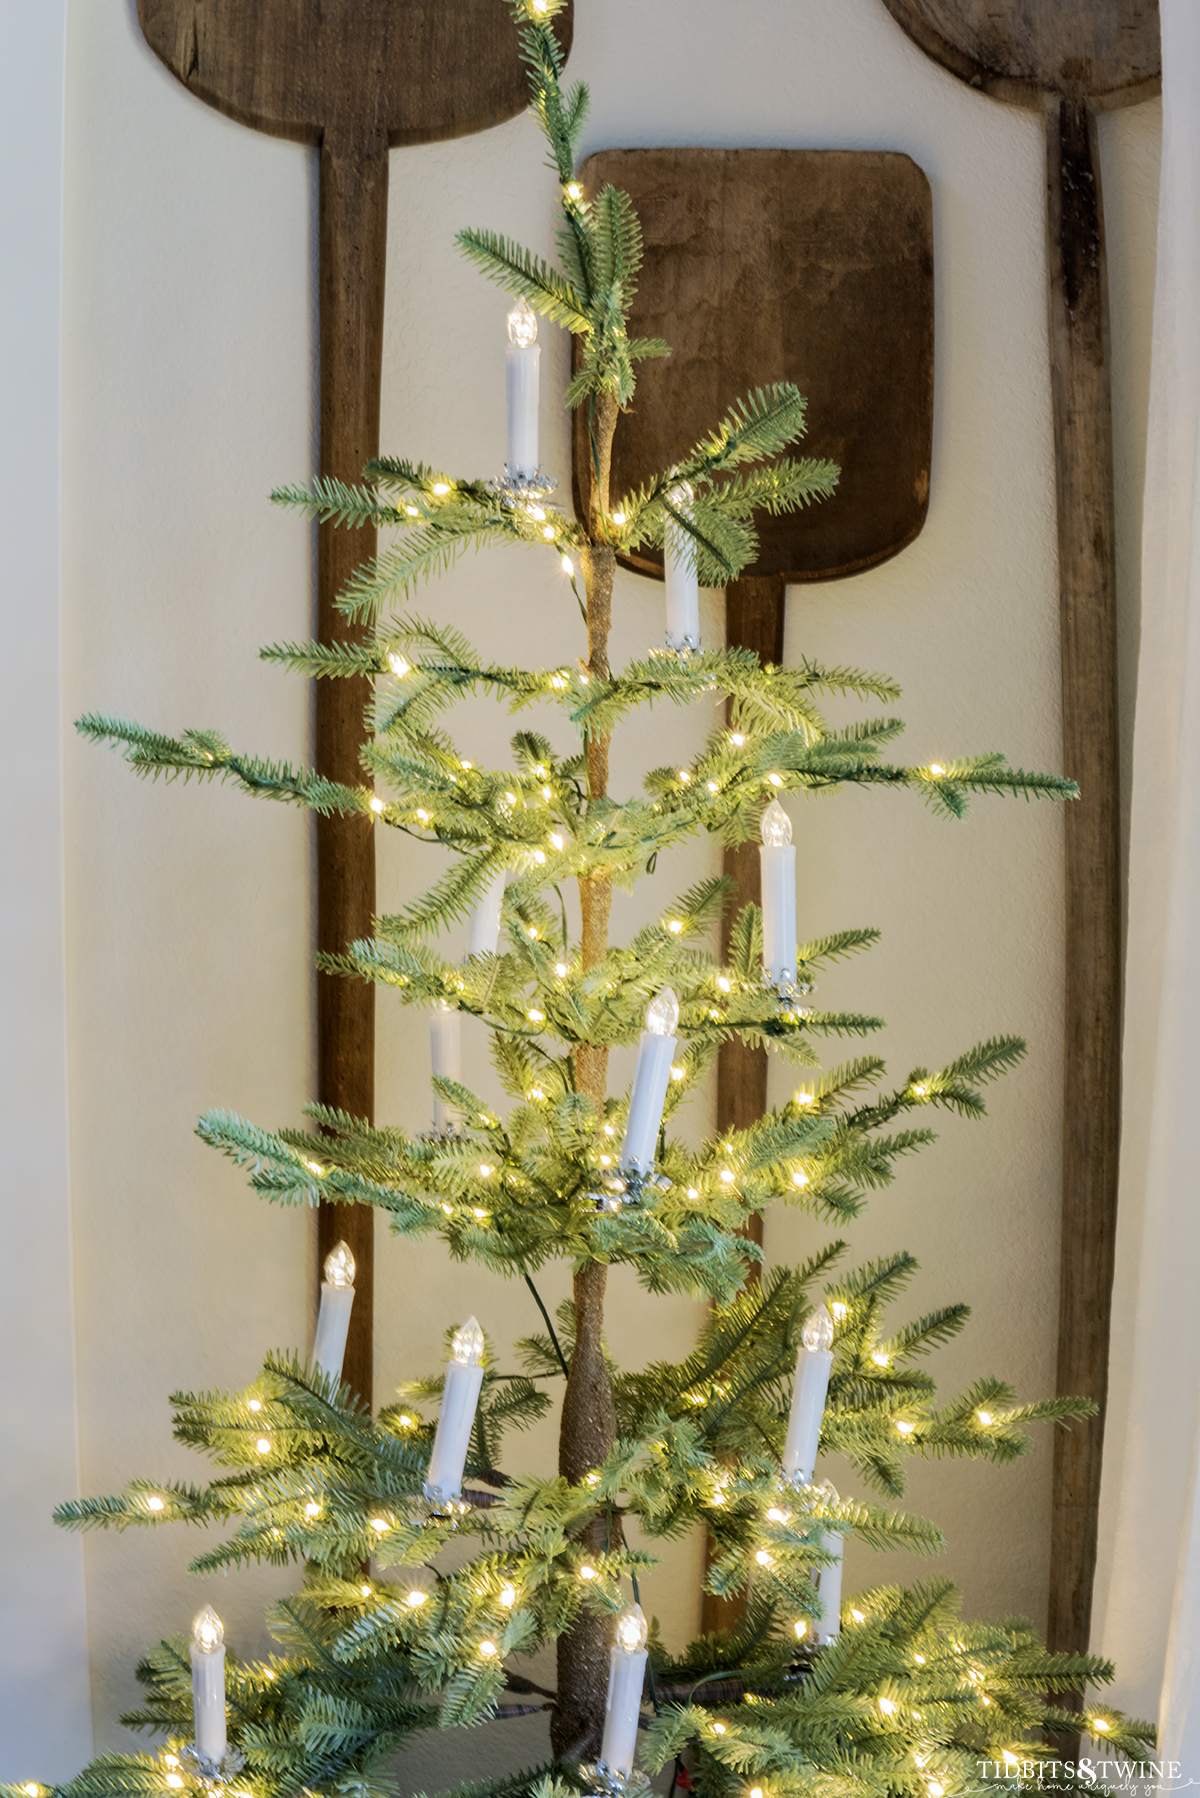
(189, 379)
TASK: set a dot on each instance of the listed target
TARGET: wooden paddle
(353, 77)
(812, 266)
(1070, 60)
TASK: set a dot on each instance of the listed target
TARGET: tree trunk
(589, 1420)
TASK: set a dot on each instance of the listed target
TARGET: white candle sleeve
(626, 1674)
(778, 857)
(813, 1364)
(650, 1080)
(460, 1396)
(682, 584)
(333, 1324)
(522, 368)
(445, 1045)
(829, 1588)
(485, 919)
(804, 1419)
(208, 1684)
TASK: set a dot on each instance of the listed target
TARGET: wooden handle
(353, 245)
(1091, 1086)
(753, 620)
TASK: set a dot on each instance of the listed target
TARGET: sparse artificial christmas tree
(900, 1697)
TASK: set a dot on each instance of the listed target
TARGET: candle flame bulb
(818, 1331)
(631, 1633)
(662, 1013)
(467, 1348)
(522, 325)
(339, 1266)
(776, 826)
(208, 1632)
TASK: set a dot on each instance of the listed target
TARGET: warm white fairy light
(312, 1509)
(776, 780)
(488, 1650)
(587, 1573)
(801, 1628)
(380, 1525)
(568, 565)
(364, 1590)
(508, 1596)
(985, 1418)
(416, 1598)
(378, 807)
(880, 1357)
(154, 1503)
(936, 768)
(398, 664)
(905, 1429)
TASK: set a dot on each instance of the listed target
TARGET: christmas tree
(892, 1693)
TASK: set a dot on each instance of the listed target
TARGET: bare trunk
(589, 1420)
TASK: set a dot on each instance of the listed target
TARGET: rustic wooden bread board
(811, 266)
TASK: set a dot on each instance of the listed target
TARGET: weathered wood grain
(812, 266)
(1069, 60)
(353, 77)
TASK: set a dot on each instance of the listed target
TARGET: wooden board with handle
(1068, 61)
(354, 78)
(811, 266)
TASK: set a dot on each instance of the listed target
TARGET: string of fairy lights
(526, 828)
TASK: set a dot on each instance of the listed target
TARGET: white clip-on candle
(813, 1362)
(626, 1675)
(778, 857)
(522, 359)
(484, 936)
(464, 1377)
(829, 1579)
(681, 578)
(333, 1319)
(445, 1053)
(656, 1051)
(208, 1684)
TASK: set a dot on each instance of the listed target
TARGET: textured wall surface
(189, 376)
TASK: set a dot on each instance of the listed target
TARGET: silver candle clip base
(609, 1782)
(517, 486)
(630, 1189)
(213, 1773)
(790, 993)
